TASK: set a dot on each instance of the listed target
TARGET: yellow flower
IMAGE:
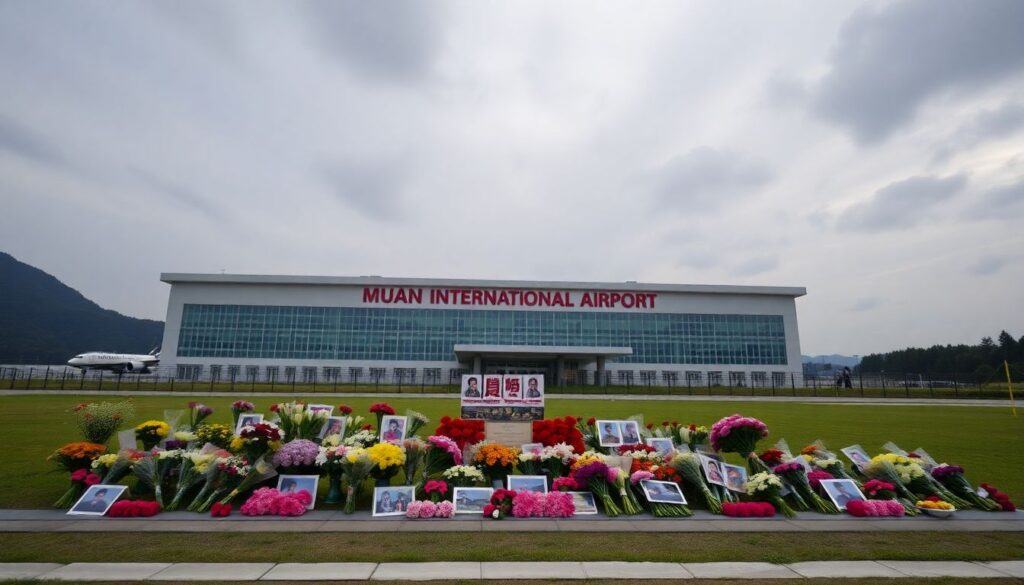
(157, 427)
(237, 443)
(386, 455)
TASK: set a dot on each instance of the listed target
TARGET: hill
(44, 321)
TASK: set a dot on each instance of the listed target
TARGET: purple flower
(296, 453)
(591, 471)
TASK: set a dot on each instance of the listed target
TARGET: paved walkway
(335, 521)
(502, 571)
(602, 397)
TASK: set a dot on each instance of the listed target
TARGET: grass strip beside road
(68, 547)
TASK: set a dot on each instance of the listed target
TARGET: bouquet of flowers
(77, 455)
(463, 475)
(668, 430)
(863, 508)
(222, 476)
(952, 478)
(597, 476)
(772, 456)
(500, 505)
(380, 409)
(151, 432)
(133, 509)
(257, 440)
(740, 434)
(879, 490)
(529, 464)
(556, 431)
(240, 407)
(765, 487)
(816, 477)
(555, 459)
(689, 468)
(260, 471)
(883, 468)
(80, 479)
(496, 461)
(192, 471)
(565, 484)
(115, 467)
(298, 422)
(463, 432)
(913, 477)
(151, 471)
(415, 452)
(357, 466)
(748, 509)
(296, 457)
(361, 438)
(999, 498)
(834, 467)
(387, 460)
(216, 434)
(796, 477)
(620, 479)
(659, 509)
(436, 489)
(692, 435)
(269, 501)
(330, 460)
(415, 421)
(430, 509)
(527, 504)
(99, 422)
(588, 431)
(197, 413)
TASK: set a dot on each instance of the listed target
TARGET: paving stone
(320, 572)
(624, 570)
(350, 526)
(739, 571)
(213, 572)
(26, 570)
(1012, 568)
(541, 570)
(942, 569)
(520, 526)
(32, 525)
(841, 569)
(426, 571)
(440, 525)
(603, 525)
(105, 571)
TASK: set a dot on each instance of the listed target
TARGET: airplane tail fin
(155, 351)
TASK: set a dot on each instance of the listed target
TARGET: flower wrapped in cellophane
(529, 464)
(99, 422)
(766, 487)
(740, 434)
(216, 434)
(357, 465)
(692, 435)
(463, 475)
(151, 432)
(596, 476)
(884, 468)
(795, 475)
(222, 476)
(952, 478)
(689, 468)
(197, 413)
(192, 470)
(153, 469)
(298, 422)
(256, 441)
(414, 422)
(659, 509)
(260, 471)
(113, 467)
(387, 459)
(556, 459)
(415, 452)
(77, 455)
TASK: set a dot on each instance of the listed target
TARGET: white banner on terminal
(499, 390)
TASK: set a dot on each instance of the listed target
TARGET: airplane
(117, 362)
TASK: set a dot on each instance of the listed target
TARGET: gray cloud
(888, 61)
(371, 188)
(180, 194)
(987, 125)
(1000, 202)
(902, 204)
(704, 179)
(865, 304)
(20, 141)
(756, 265)
(388, 40)
(988, 265)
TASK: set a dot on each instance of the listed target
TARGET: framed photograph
(247, 420)
(532, 448)
(471, 387)
(293, 484)
(735, 477)
(584, 502)
(335, 425)
(392, 500)
(841, 491)
(534, 388)
(608, 434)
(471, 500)
(857, 455)
(392, 429)
(97, 500)
(630, 432)
(664, 445)
(666, 492)
(528, 483)
(713, 470)
(320, 408)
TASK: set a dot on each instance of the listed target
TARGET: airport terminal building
(431, 331)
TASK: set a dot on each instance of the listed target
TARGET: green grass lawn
(988, 442)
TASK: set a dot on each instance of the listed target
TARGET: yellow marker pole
(1009, 386)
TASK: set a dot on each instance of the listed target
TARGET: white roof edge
(196, 278)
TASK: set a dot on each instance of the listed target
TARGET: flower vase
(334, 493)
(382, 482)
(351, 495)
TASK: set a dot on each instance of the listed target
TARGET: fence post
(100, 386)
(792, 382)
(956, 385)
(82, 383)
(172, 383)
(46, 379)
(14, 375)
(64, 378)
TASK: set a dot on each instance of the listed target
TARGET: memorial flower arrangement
(463, 432)
(999, 498)
(296, 457)
(863, 508)
(692, 435)
(357, 466)
(77, 455)
(80, 479)
(216, 434)
(99, 422)
(381, 409)
(550, 432)
(529, 464)
(952, 478)
(589, 433)
(772, 456)
(620, 479)
(436, 490)
(883, 468)
(298, 422)
(815, 478)
(192, 472)
(765, 487)
(387, 460)
(441, 453)
(151, 432)
(150, 471)
(833, 467)
(879, 490)
(796, 477)
(222, 476)
(750, 509)
(270, 501)
(415, 452)
(257, 440)
(430, 509)
(415, 421)
(658, 509)
(259, 471)
(133, 509)
(688, 466)
(496, 460)
(740, 434)
(197, 413)
(527, 504)
(361, 438)
(598, 478)
(565, 484)
(240, 407)
(500, 505)
(463, 475)
(556, 459)
(915, 480)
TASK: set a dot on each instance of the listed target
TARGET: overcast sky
(872, 152)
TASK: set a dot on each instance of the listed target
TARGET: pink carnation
(413, 511)
(527, 504)
(446, 509)
(816, 476)
(558, 505)
(269, 501)
(448, 445)
(427, 509)
(565, 484)
(639, 476)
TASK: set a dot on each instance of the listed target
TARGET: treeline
(984, 361)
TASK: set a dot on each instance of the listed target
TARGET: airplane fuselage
(117, 362)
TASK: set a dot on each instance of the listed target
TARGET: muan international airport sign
(508, 297)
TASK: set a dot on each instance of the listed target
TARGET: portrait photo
(293, 484)
(608, 433)
(392, 500)
(841, 491)
(857, 455)
(630, 432)
(584, 502)
(535, 448)
(713, 470)
(392, 429)
(534, 387)
(735, 477)
(664, 445)
(97, 500)
(471, 500)
(666, 492)
(320, 408)
(248, 419)
(471, 387)
(335, 425)
(528, 483)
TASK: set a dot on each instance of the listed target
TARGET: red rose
(591, 421)
(274, 407)
(344, 409)
(92, 479)
(78, 475)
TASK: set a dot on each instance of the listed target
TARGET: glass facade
(350, 333)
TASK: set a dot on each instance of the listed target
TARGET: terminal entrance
(543, 367)
(560, 365)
